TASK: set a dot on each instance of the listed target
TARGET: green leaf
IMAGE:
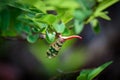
(86, 4)
(19, 27)
(40, 25)
(32, 38)
(90, 74)
(31, 15)
(84, 74)
(19, 6)
(66, 17)
(104, 16)
(50, 37)
(66, 32)
(102, 6)
(98, 70)
(50, 19)
(35, 30)
(27, 29)
(95, 26)
(78, 27)
(59, 27)
(26, 19)
(105, 4)
(80, 15)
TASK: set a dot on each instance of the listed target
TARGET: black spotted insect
(55, 47)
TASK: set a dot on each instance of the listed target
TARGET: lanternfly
(56, 46)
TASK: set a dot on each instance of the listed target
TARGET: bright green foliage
(50, 37)
(59, 27)
(34, 17)
(104, 15)
(78, 27)
(49, 19)
(99, 12)
(84, 74)
(90, 74)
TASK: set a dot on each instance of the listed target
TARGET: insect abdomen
(54, 48)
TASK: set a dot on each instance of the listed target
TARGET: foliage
(31, 18)
(90, 74)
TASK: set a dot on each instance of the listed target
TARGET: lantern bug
(55, 47)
